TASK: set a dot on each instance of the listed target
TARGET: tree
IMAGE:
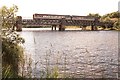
(109, 16)
(94, 15)
(12, 52)
(8, 16)
(114, 14)
(117, 25)
(106, 19)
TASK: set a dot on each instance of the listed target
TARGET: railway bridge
(61, 21)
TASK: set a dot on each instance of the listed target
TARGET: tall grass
(12, 55)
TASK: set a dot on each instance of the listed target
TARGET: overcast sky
(69, 7)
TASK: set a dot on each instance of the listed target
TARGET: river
(79, 54)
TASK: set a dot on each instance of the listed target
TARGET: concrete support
(62, 25)
(93, 27)
(61, 28)
(19, 27)
(19, 23)
(54, 27)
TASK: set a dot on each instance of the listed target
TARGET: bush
(12, 54)
(117, 25)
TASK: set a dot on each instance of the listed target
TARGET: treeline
(110, 17)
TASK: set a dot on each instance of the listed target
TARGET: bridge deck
(66, 20)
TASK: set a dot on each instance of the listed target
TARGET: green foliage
(106, 19)
(12, 55)
(55, 73)
(8, 16)
(94, 15)
(7, 72)
(109, 16)
(113, 14)
(112, 18)
(117, 25)
(12, 37)
(12, 52)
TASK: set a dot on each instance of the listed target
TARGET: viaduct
(61, 21)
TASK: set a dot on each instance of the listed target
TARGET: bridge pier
(54, 27)
(61, 28)
(93, 27)
(19, 23)
(62, 25)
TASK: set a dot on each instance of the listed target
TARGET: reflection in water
(74, 53)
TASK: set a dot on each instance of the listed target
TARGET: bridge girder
(66, 21)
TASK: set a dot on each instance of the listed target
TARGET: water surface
(75, 53)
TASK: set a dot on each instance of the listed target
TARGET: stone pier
(54, 27)
(19, 23)
(61, 28)
(93, 27)
(62, 25)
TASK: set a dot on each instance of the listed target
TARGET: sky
(62, 7)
